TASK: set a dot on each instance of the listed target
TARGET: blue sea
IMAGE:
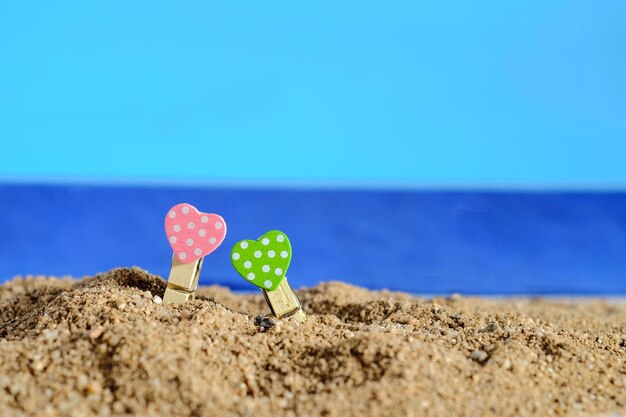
(416, 240)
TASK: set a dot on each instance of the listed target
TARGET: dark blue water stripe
(418, 241)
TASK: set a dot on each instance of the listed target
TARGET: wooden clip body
(284, 302)
(182, 282)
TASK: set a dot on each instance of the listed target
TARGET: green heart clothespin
(264, 263)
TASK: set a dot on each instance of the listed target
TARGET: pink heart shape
(193, 234)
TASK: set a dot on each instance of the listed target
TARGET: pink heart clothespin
(192, 235)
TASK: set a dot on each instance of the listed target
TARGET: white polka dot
(284, 254)
(189, 242)
(197, 251)
(191, 225)
(204, 219)
(266, 268)
(268, 284)
(250, 276)
(172, 214)
(247, 264)
(265, 241)
(218, 225)
(257, 254)
(212, 240)
(278, 272)
(236, 256)
(271, 254)
(182, 255)
(185, 210)
(202, 233)
(280, 238)
(176, 228)
(173, 239)
(244, 245)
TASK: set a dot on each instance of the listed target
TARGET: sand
(108, 346)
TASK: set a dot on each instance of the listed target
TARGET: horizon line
(377, 185)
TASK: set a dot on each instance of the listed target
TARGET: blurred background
(425, 146)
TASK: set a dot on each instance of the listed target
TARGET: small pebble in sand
(480, 356)
(264, 323)
(96, 333)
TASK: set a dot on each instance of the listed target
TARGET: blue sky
(420, 92)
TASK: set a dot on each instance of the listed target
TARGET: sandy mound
(106, 346)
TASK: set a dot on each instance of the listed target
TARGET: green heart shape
(264, 261)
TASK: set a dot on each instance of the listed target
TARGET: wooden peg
(284, 302)
(183, 281)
